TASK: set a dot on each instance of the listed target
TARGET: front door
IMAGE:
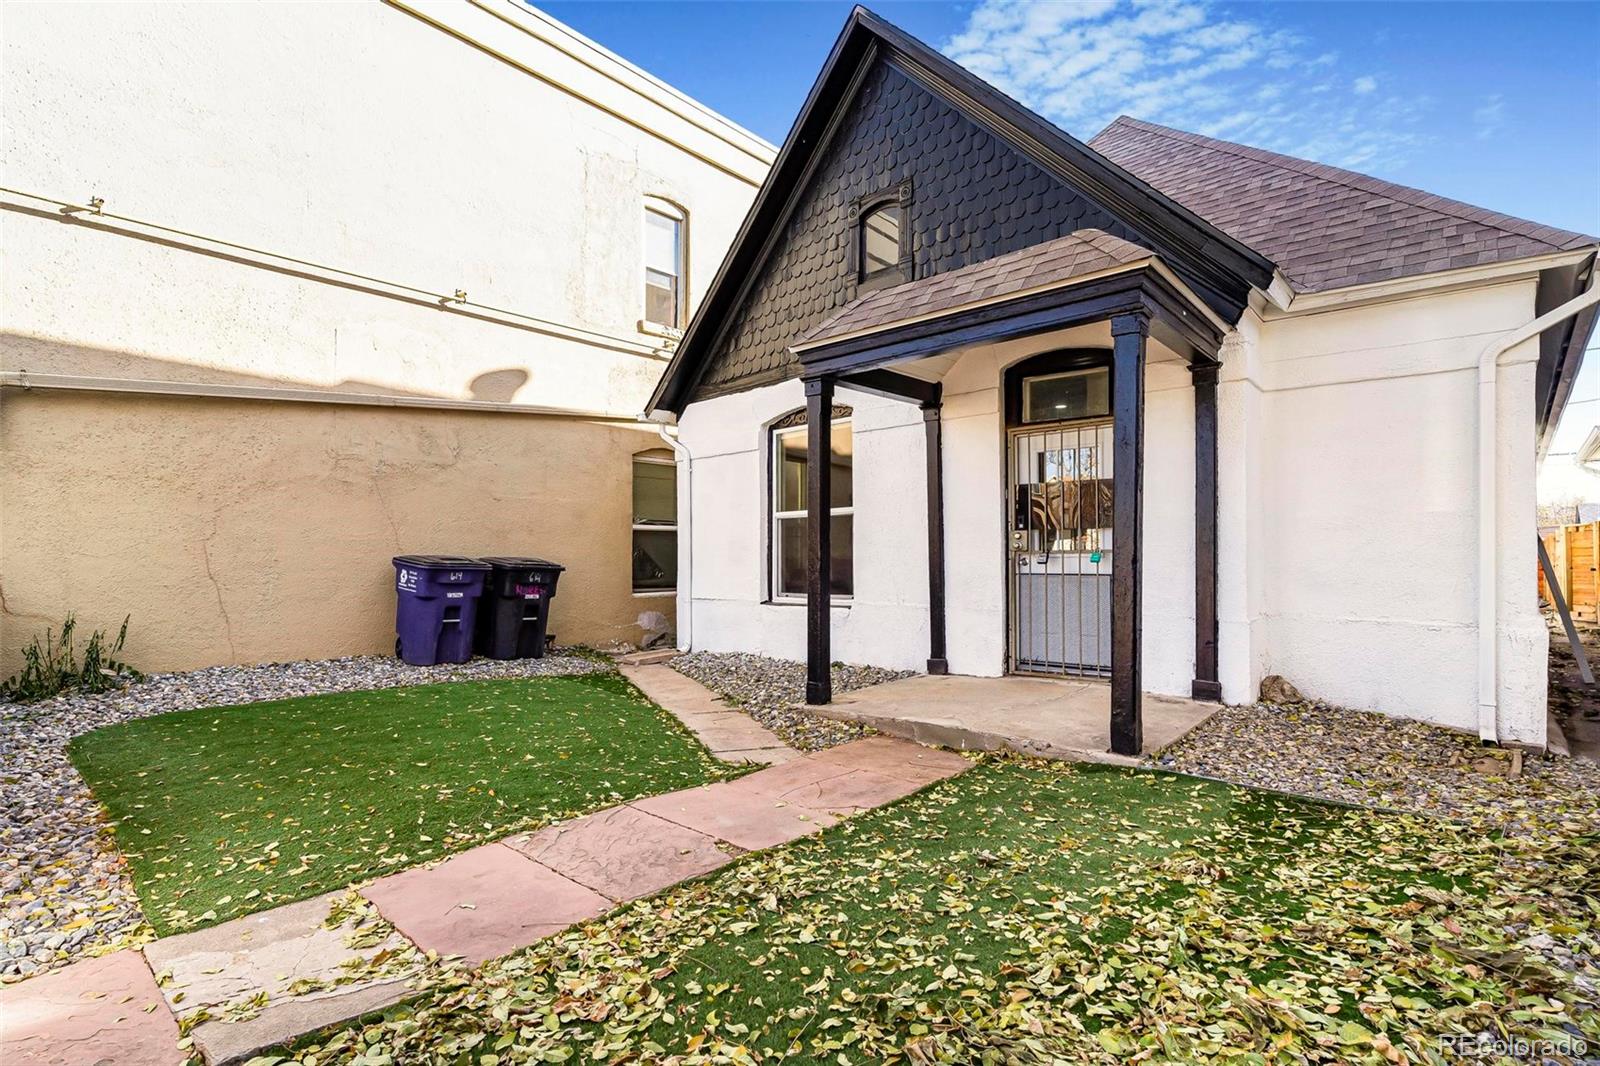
(1059, 558)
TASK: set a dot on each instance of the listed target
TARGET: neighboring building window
(880, 242)
(789, 509)
(655, 522)
(664, 261)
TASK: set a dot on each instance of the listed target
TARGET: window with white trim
(664, 264)
(788, 502)
(655, 523)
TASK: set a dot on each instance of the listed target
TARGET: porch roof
(1075, 257)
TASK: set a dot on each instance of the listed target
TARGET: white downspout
(685, 609)
(1488, 506)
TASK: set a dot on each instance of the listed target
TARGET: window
(663, 265)
(789, 510)
(880, 247)
(880, 242)
(1073, 394)
(655, 522)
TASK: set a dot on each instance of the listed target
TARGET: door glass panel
(1074, 394)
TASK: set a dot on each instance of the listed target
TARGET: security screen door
(1060, 548)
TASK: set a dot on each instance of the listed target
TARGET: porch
(1085, 304)
(1053, 717)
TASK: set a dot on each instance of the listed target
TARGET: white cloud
(1489, 116)
(1189, 64)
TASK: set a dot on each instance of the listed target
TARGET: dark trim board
(1144, 292)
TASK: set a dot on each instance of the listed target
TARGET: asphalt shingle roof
(1088, 251)
(1324, 227)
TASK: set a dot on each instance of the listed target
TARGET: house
(1158, 408)
(291, 289)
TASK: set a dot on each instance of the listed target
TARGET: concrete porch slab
(623, 853)
(97, 1012)
(482, 903)
(1053, 717)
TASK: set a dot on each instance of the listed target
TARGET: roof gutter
(1488, 500)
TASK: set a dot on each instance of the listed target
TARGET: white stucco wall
(361, 137)
(886, 622)
(1347, 524)
(1363, 564)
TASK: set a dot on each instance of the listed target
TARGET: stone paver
(731, 735)
(97, 1012)
(762, 824)
(228, 964)
(483, 903)
(838, 794)
(896, 758)
(624, 853)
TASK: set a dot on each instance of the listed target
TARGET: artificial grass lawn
(1036, 913)
(224, 811)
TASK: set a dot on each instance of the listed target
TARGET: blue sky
(1495, 104)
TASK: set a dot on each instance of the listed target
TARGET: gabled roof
(1077, 255)
(1324, 227)
(1217, 266)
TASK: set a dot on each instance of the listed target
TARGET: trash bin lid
(513, 562)
(439, 562)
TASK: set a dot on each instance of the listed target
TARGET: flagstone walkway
(267, 978)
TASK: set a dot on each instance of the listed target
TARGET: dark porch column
(819, 539)
(1206, 686)
(1128, 333)
(931, 424)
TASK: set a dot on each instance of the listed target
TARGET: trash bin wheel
(397, 647)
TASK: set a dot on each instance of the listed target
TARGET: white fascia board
(540, 46)
(1282, 301)
(1589, 450)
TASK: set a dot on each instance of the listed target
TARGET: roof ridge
(1366, 183)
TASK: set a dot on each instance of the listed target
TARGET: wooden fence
(1574, 555)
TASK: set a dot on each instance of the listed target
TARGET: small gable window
(880, 241)
(880, 248)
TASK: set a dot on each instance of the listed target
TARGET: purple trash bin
(436, 606)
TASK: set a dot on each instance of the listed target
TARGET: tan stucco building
(291, 289)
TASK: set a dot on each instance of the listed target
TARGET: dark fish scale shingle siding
(974, 197)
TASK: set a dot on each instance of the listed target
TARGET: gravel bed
(64, 889)
(1374, 760)
(773, 692)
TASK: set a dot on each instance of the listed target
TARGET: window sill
(655, 594)
(840, 603)
(655, 329)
